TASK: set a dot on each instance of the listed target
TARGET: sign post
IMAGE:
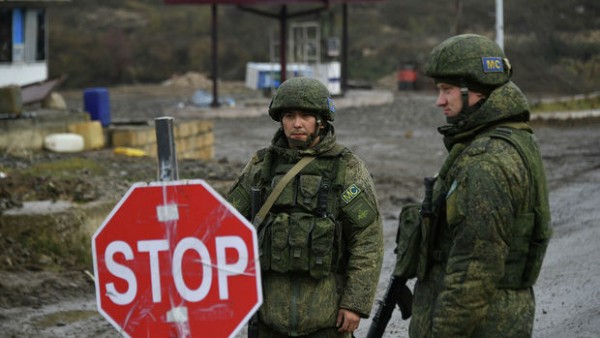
(166, 150)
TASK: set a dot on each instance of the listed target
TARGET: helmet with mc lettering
(469, 60)
(305, 94)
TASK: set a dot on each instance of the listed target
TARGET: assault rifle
(397, 293)
(411, 260)
(255, 204)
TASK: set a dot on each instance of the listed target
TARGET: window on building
(22, 34)
(5, 35)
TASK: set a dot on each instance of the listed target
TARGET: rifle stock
(397, 293)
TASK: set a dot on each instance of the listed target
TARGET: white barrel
(64, 142)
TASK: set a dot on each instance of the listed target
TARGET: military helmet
(469, 60)
(305, 94)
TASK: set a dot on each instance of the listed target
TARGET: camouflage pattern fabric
(267, 332)
(305, 94)
(296, 303)
(469, 58)
(482, 190)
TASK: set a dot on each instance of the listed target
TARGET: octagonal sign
(175, 259)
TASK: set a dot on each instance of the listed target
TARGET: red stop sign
(174, 259)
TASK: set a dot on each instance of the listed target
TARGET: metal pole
(214, 63)
(344, 48)
(283, 43)
(500, 23)
(457, 12)
(165, 146)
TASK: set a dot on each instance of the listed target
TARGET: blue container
(96, 102)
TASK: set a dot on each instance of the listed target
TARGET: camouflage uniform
(321, 244)
(490, 201)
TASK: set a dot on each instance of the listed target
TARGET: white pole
(500, 23)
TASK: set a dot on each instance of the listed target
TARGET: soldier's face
(298, 126)
(450, 99)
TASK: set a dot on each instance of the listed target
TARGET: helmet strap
(464, 93)
(318, 132)
(466, 109)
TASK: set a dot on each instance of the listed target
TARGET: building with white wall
(24, 41)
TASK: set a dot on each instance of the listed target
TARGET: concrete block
(183, 146)
(183, 129)
(10, 100)
(193, 139)
(19, 140)
(205, 140)
(132, 136)
(204, 154)
(93, 135)
(204, 126)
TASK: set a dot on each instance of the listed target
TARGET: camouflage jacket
(321, 244)
(481, 194)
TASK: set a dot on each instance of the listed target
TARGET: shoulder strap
(505, 132)
(452, 156)
(260, 215)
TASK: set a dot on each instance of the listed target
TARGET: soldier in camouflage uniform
(491, 220)
(321, 244)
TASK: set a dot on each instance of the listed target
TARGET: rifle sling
(262, 213)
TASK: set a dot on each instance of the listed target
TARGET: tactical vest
(531, 229)
(301, 233)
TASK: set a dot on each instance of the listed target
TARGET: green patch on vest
(350, 193)
(362, 214)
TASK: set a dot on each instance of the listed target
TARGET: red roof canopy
(260, 2)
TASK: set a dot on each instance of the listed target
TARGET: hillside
(553, 46)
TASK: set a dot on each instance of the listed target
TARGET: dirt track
(400, 146)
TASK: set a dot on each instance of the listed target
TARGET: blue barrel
(96, 102)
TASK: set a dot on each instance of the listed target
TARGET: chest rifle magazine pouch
(309, 187)
(279, 247)
(323, 237)
(300, 228)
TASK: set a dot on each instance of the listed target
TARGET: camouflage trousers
(266, 332)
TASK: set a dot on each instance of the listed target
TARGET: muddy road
(400, 145)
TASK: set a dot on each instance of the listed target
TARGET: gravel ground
(400, 145)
